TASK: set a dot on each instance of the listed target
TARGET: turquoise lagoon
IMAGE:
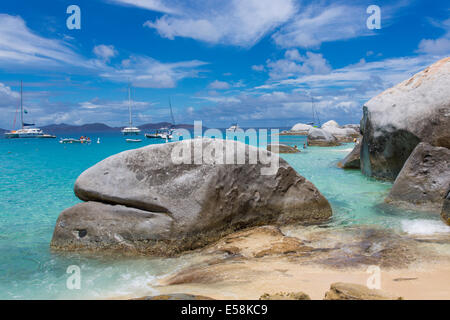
(37, 178)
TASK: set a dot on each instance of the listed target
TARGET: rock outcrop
(424, 180)
(397, 120)
(301, 129)
(322, 138)
(352, 160)
(350, 291)
(147, 201)
(342, 134)
(445, 214)
(355, 127)
(282, 148)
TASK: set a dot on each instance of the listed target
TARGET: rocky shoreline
(245, 232)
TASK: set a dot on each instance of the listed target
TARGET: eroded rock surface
(142, 200)
(351, 291)
(445, 214)
(342, 134)
(424, 180)
(397, 120)
(352, 160)
(322, 138)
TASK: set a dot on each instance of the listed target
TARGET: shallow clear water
(37, 178)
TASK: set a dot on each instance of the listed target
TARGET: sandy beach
(250, 263)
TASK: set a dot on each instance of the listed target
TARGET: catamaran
(130, 130)
(25, 132)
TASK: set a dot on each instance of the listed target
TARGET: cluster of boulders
(330, 134)
(143, 201)
(337, 291)
(406, 139)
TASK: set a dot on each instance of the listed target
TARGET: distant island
(101, 127)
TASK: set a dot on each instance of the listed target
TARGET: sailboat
(25, 132)
(164, 133)
(130, 130)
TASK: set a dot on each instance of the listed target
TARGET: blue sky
(255, 62)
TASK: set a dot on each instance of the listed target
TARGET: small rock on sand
(351, 291)
(285, 296)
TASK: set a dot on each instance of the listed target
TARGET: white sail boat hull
(131, 131)
(26, 132)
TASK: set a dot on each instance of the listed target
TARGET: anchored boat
(72, 140)
(130, 130)
(25, 132)
(133, 140)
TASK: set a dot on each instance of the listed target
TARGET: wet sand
(428, 282)
(250, 263)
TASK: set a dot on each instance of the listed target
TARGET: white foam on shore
(424, 227)
(344, 150)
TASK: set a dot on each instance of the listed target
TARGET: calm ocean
(37, 177)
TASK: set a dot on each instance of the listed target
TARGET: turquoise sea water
(37, 179)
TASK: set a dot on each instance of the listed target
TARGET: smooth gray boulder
(146, 200)
(281, 148)
(445, 214)
(109, 226)
(322, 138)
(424, 180)
(397, 120)
(352, 160)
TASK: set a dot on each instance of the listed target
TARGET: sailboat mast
(171, 112)
(314, 112)
(129, 104)
(21, 103)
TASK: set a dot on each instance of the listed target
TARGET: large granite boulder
(424, 180)
(445, 214)
(164, 199)
(355, 127)
(322, 138)
(282, 148)
(347, 134)
(301, 129)
(352, 160)
(397, 120)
